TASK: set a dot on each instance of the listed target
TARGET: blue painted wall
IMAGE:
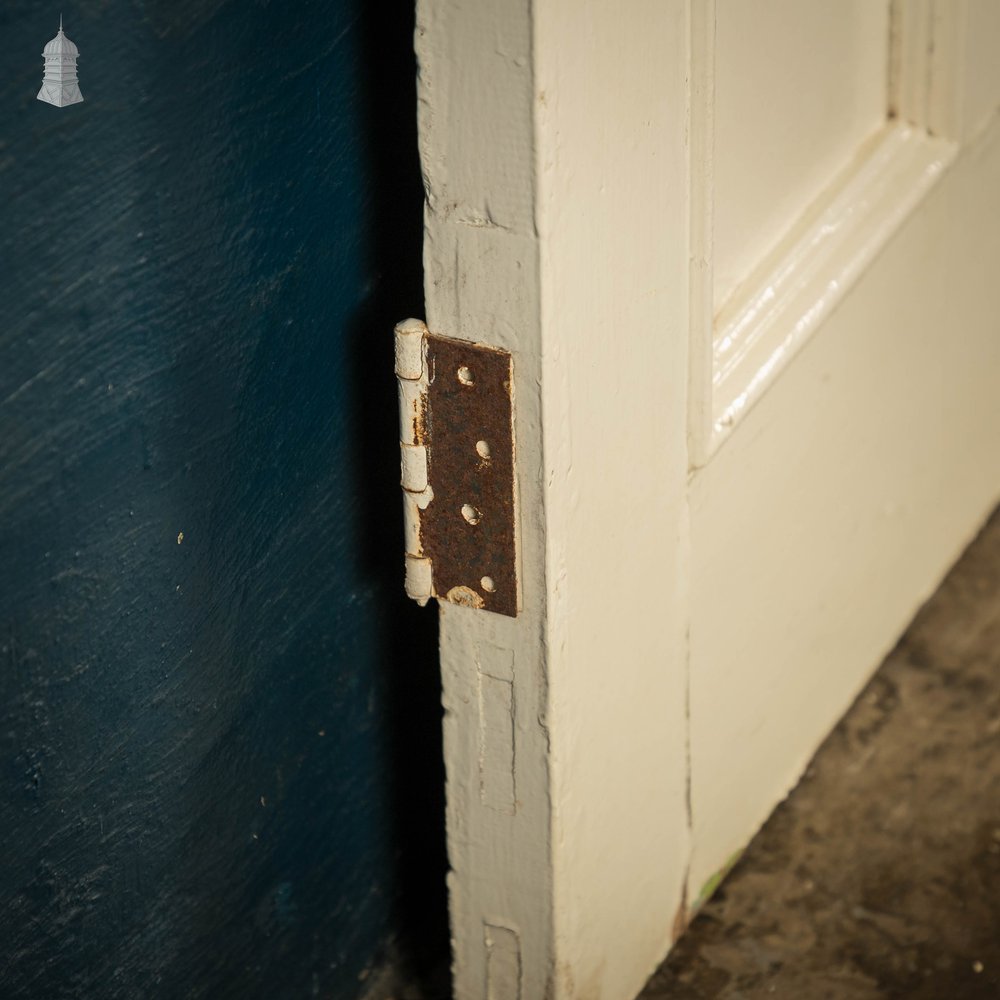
(221, 765)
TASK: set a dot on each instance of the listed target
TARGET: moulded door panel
(799, 86)
(839, 503)
(849, 450)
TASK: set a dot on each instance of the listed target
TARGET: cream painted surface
(979, 30)
(611, 214)
(945, 74)
(687, 637)
(795, 289)
(476, 98)
(800, 84)
(532, 161)
(839, 503)
(740, 348)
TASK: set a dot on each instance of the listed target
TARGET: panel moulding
(738, 350)
(794, 291)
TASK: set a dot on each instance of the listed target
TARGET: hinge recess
(456, 439)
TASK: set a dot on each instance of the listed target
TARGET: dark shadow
(225, 774)
(413, 689)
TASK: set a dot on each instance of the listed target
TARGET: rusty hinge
(457, 459)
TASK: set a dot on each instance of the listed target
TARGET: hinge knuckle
(418, 579)
(413, 504)
(410, 348)
(413, 467)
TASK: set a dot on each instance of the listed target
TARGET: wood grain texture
(204, 703)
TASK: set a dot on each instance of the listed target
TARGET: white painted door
(744, 256)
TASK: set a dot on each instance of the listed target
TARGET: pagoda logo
(59, 85)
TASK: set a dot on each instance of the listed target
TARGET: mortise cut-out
(497, 729)
(503, 962)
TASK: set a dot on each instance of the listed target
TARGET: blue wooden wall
(221, 768)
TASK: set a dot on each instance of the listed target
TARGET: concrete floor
(879, 876)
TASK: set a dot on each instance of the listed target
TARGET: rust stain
(468, 404)
(420, 428)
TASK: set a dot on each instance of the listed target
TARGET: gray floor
(880, 875)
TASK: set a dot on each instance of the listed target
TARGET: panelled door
(744, 256)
